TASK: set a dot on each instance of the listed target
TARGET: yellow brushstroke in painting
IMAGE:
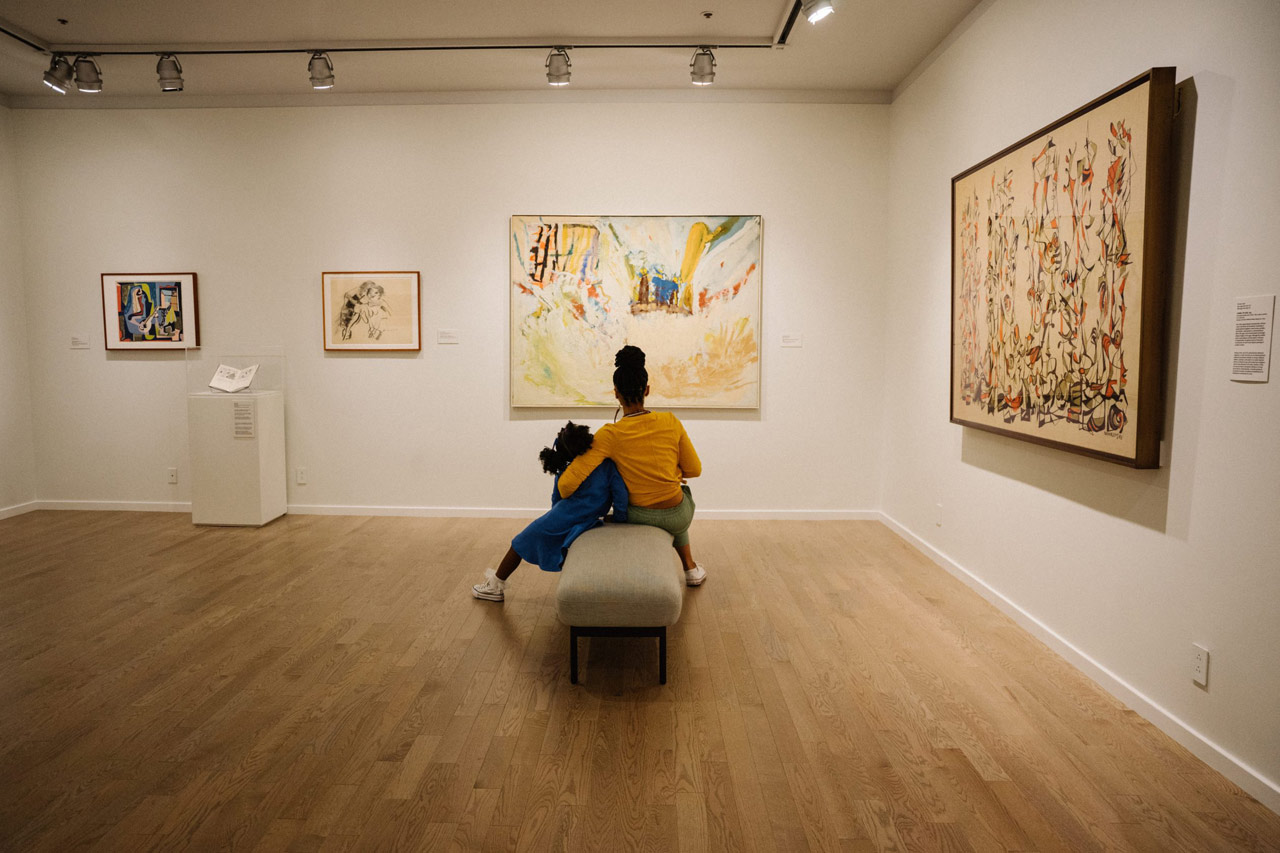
(700, 237)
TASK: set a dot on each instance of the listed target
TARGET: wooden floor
(329, 684)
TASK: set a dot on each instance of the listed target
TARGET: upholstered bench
(620, 580)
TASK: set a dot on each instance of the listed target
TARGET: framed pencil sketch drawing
(372, 311)
(685, 289)
(150, 311)
(1060, 258)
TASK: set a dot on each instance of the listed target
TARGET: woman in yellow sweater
(654, 456)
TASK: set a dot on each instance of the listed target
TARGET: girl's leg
(508, 564)
(686, 556)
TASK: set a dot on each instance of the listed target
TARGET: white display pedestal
(237, 457)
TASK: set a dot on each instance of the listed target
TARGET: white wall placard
(793, 340)
(446, 336)
(244, 419)
(79, 342)
(1251, 342)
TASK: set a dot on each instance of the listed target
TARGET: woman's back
(652, 451)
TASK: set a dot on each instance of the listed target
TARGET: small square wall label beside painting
(372, 311)
(150, 311)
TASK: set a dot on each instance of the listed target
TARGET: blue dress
(545, 541)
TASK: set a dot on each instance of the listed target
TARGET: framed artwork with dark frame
(1061, 252)
(372, 311)
(150, 311)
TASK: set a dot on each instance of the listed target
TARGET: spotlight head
(321, 68)
(88, 75)
(558, 66)
(702, 68)
(816, 10)
(169, 72)
(58, 77)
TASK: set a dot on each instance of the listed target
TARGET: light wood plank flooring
(329, 684)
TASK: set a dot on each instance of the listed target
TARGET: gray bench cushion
(625, 575)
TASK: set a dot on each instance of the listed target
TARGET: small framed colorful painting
(1061, 254)
(372, 311)
(150, 311)
(685, 289)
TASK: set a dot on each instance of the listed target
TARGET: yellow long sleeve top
(652, 452)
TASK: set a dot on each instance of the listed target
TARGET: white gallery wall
(17, 468)
(1127, 568)
(258, 202)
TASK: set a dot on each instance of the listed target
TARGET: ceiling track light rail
(88, 76)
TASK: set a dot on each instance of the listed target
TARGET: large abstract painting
(1060, 260)
(150, 311)
(685, 289)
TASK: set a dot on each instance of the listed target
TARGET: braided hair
(630, 378)
(573, 441)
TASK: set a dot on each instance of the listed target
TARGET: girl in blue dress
(545, 541)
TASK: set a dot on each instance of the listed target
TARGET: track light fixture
(321, 68)
(703, 67)
(558, 66)
(169, 71)
(58, 77)
(816, 10)
(88, 74)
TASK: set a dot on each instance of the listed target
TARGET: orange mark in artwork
(716, 371)
(704, 300)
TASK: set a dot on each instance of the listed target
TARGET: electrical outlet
(937, 515)
(1200, 665)
(173, 476)
(301, 477)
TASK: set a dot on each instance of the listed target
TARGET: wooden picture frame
(372, 311)
(685, 289)
(150, 311)
(1060, 260)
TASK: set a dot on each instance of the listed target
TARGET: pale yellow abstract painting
(685, 289)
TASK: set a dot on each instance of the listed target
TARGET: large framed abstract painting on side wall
(1061, 255)
(150, 311)
(685, 289)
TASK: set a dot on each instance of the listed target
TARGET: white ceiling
(862, 52)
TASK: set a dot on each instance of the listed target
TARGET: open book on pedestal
(230, 379)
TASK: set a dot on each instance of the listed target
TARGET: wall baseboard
(416, 511)
(1254, 783)
(445, 511)
(523, 512)
(115, 506)
(788, 515)
(18, 509)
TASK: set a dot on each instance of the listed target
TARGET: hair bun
(629, 356)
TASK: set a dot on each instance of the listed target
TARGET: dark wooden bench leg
(573, 655)
(586, 631)
(662, 656)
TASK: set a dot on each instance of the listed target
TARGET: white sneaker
(491, 589)
(695, 576)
